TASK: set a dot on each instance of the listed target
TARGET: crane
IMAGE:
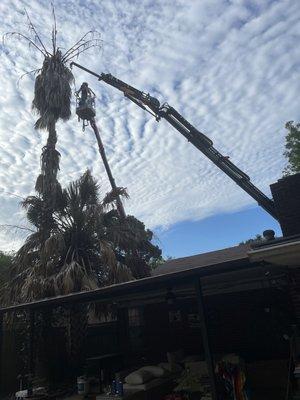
(192, 134)
(85, 109)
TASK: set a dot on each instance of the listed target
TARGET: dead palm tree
(52, 97)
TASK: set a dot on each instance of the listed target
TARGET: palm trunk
(50, 165)
(47, 184)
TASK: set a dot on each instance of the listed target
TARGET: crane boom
(193, 135)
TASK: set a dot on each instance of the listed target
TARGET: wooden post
(205, 339)
(31, 353)
(1, 348)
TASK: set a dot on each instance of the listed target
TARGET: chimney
(286, 195)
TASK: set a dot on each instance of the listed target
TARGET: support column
(205, 339)
(1, 348)
(31, 352)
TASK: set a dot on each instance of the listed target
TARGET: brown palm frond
(113, 195)
(82, 49)
(31, 201)
(52, 92)
(55, 244)
(122, 274)
(74, 278)
(18, 227)
(35, 34)
(26, 38)
(85, 245)
(50, 161)
(30, 247)
(39, 184)
(54, 29)
(83, 41)
(107, 254)
(88, 189)
(33, 71)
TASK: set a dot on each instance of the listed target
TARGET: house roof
(178, 271)
(203, 260)
(280, 251)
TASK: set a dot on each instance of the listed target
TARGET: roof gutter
(118, 291)
(287, 254)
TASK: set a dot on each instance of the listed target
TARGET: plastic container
(120, 390)
(82, 385)
(114, 387)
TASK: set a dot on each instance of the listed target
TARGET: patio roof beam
(1, 345)
(205, 339)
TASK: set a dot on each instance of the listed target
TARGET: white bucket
(21, 394)
(82, 385)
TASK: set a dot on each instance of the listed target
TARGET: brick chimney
(286, 195)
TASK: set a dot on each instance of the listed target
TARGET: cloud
(230, 67)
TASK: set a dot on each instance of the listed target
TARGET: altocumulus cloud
(230, 67)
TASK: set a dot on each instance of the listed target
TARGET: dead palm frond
(52, 92)
(114, 195)
(52, 99)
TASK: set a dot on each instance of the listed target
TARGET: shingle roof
(203, 260)
(176, 271)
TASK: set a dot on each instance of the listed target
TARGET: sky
(229, 67)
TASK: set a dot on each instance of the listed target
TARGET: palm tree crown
(89, 245)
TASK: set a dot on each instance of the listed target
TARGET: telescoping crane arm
(197, 138)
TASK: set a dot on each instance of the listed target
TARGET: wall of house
(251, 324)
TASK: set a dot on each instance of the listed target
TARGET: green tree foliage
(292, 148)
(258, 238)
(156, 262)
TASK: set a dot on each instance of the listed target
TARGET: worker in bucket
(86, 95)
